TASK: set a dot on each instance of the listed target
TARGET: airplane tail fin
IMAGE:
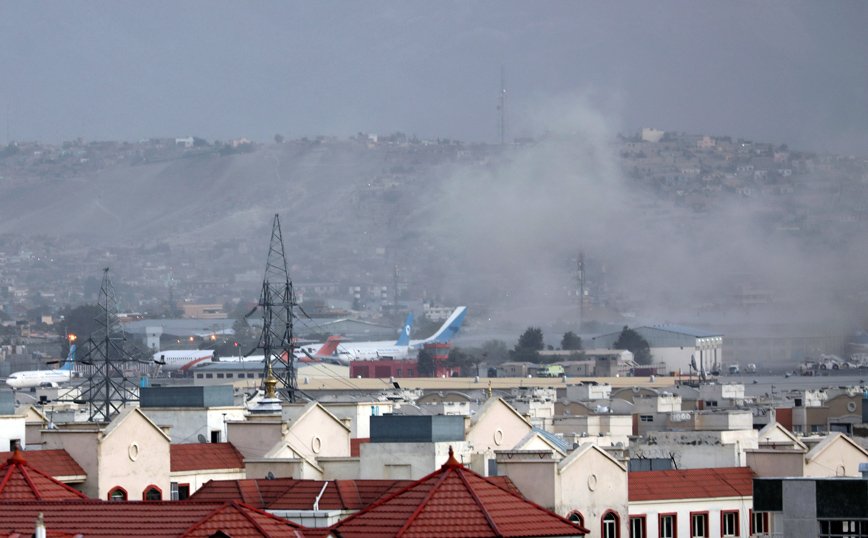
(404, 339)
(70, 360)
(328, 349)
(450, 327)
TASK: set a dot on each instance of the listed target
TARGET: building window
(577, 517)
(230, 376)
(200, 376)
(818, 428)
(637, 527)
(261, 375)
(850, 529)
(646, 418)
(215, 436)
(249, 376)
(219, 376)
(611, 525)
(699, 524)
(666, 525)
(399, 372)
(797, 428)
(409, 372)
(710, 403)
(153, 493)
(729, 524)
(759, 523)
(209, 376)
(117, 494)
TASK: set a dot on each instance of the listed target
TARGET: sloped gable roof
(205, 456)
(454, 501)
(152, 519)
(490, 404)
(121, 417)
(690, 484)
(577, 454)
(546, 439)
(295, 494)
(56, 463)
(772, 430)
(21, 482)
(832, 439)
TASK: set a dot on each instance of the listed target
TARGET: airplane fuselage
(37, 378)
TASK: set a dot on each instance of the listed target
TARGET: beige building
(780, 453)
(588, 486)
(124, 459)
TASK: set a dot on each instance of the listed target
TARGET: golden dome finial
(270, 382)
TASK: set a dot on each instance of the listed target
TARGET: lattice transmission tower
(110, 360)
(277, 301)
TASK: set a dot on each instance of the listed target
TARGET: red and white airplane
(181, 360)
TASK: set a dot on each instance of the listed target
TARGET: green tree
(634, 343)
(530, 343)
(278, 139)
(571, 342)
(532, 338)
(425, 363)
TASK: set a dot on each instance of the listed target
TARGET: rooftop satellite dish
(269, 476)
(202, 438)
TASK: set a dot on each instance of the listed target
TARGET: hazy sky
(784, 72)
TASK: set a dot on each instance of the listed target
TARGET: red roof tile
(690, 484)
(293, 494)
(455, 502)
(154, 519)
(205, 456)
(20, 481)
(56, 463)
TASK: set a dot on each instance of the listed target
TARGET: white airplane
(404, 348)
(43, 378)
(181, 360)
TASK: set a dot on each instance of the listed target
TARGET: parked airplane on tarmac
(181, 360)
(404, 348)
(43, 378)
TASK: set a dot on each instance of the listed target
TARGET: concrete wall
(254, 438)
(774, 463)
(12, 428)
(360, 414)
(340, 468)
(408, 460)
(81, 446)
(188, 423)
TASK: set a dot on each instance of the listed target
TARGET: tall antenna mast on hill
(277, 301)
(581, 277)
(501, 107)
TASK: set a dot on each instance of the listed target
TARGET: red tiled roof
(690, 484)
(455, 502)
(56, 462)
(355, 444)
(205, 456)
(153, 519)
(294, 494)
(20, 481)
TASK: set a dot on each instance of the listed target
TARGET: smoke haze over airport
(783, 72)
